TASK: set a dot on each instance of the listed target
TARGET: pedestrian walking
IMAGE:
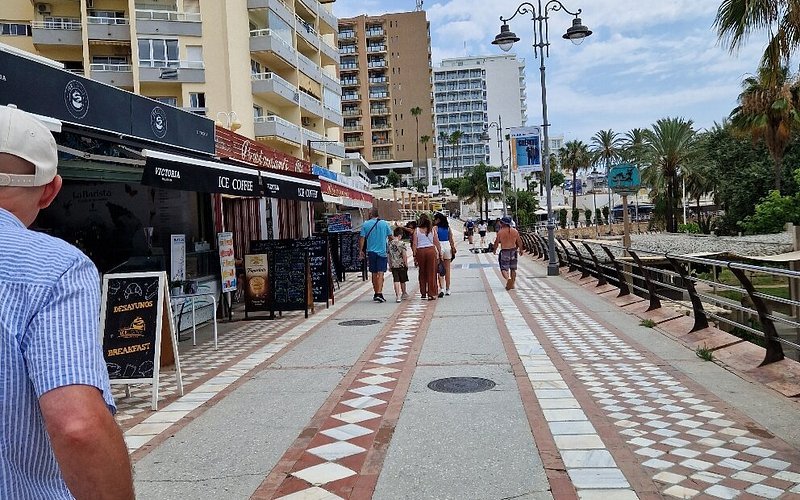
(510, 245)
(59, 439)
(448, 246)
(482, 228)
(398, 263)
(469, 230)
(374, 241)
(427, 252)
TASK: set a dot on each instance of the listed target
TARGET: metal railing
(168, 15)
(694, 284)
(120, 21)
(58, 24)
(111, 67)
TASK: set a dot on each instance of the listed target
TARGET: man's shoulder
(46, 255)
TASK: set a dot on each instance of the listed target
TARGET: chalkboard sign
(136, 329)
(339, 223)
(349, 252)
(289, 274)
(317, 250)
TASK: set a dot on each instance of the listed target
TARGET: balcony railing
(168, 15)
(353, 128)
(376, 48)
(117, 21)
(376, 64)
(375, 32)
(275, 119)
(351, 97)
(348, 49)
(348, 66)
(346, 35)
(378, 95)
(172, 64)
(380, 79)
(381, 125)
(349, 82)
(382, 156)
(122, 68)
(379, 111)
(351, 112)
(353, 144)
(58, 24)
(276, 79)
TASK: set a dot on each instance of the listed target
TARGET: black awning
(170, 171)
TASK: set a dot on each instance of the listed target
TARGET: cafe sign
(229, 144)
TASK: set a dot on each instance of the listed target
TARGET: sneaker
(381, 298)
(375, 298)
(397, 299)
(447, 292)
(424, 296)
(441, 294)
(404, 296)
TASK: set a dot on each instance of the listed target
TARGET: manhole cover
(461, 385)
(359, 322)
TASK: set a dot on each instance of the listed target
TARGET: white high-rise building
(469, 94)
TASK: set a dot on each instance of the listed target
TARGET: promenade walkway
(585, 403)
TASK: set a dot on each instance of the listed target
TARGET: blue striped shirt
(49, 316)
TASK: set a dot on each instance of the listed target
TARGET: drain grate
(359, 322)
(461, 385)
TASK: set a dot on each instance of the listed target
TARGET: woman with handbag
(427, 251)
(445, 236)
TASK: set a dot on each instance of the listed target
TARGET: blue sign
(624, 178)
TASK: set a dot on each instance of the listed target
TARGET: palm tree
(455, 141)
(575, 156)
(424, 140)
(415, 112)
(737, 19)
(606, 148)
(668, 147)
(769, 108)
(443, 140)
(632, 149)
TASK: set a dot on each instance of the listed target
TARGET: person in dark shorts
(398, 263)
(374, 241)
(482, 228)
(510, 245)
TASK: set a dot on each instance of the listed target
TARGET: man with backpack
(375, 234)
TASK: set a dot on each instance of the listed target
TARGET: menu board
(137, 329)
(317, 249)
(256, 292)
(349, 252)
(227, 262)
(130, 326)
(288, 274)
(338, 223)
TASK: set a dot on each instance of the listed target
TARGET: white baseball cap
(24, 136)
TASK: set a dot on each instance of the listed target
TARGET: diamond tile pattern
(658, 415)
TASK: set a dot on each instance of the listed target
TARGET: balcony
(376, 48)
(351, 112)
(309, 67)
(61, 31)
(349, 82)
(385, 125)
(178, 72)
(335, 149)
(311, 104)
(307, 32)
(383, 141)
(277, 6)
(168, 22)
(379, 96)
(351, 97)
(379, 111)
(270, 84)
(378, 79)
(109, 28)
(348, 49)
(333, 115)
(374, 32)
(328, 18)
(354, 144)
(348, 67)
(119, 75)
(266, 40)
(376, 64)
(331, 82)
(353, 128)
(275, 126)
(381, 156)
(347, 35)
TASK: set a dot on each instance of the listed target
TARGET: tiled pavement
(333, 457)
(687, 441)
(207, 371)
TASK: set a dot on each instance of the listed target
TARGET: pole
(626, 223)
(552, 264)
(502, 164)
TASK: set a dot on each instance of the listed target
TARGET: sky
(646, 60)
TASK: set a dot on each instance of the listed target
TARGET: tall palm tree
(455, 141)
(606, 148)
(736, 20)
(633, 146)
(769, 109)
(669, 145)
(575, 156)
(443, 140)
(415, 112)
(425, 139)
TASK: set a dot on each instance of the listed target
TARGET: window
(110, 60)
(197, 99)
(15, 29)
(169, 100)
(194, 55)
(159, 53)
(107, 17)
(258, 111)
(255, 67)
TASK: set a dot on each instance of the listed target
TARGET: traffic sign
(624, 178)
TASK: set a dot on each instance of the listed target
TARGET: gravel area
(681, 244)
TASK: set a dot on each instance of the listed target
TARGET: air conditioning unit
(43, 8)
(305, 121)
(90, 4)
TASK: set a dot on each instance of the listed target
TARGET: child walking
(398, 263)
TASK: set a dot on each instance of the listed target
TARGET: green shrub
(691, 228)
(562, 217)
(772, 214)
(606, 211)
(587, 214)
(598, 216)
(576, 217)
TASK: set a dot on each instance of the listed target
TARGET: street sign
(624, 178)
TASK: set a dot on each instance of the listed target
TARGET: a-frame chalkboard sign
(137, 330)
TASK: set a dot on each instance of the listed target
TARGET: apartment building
(470, 93)
(265, 67)
(385, 72)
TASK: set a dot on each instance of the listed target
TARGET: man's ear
(50, 192)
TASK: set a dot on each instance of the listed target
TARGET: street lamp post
(541, 41)
(498, 126)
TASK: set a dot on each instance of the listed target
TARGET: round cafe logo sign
(77, 99)
(158, 122)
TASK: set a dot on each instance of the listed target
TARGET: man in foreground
(510, 245)
(375, 234)
(59, 439)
